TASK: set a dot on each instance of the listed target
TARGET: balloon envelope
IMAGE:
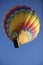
(21, 23)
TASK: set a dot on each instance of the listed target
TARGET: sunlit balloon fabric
(21, 23)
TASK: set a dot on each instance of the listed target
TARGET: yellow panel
(32, 19)
(36, 28)
(11, 26)
(27, 17)
(35, 24)
(21, 17)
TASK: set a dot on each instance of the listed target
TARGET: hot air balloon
(21, 25)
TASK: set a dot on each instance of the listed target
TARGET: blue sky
(28, 54)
